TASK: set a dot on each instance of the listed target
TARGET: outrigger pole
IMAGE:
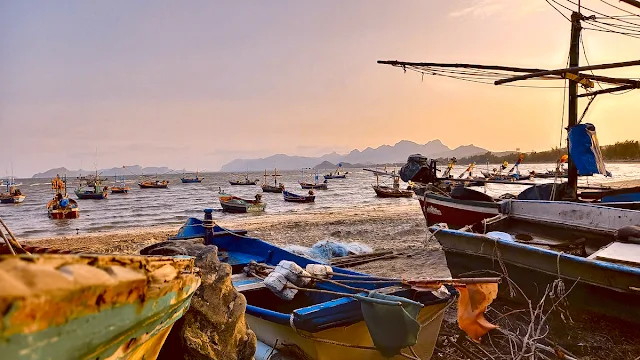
(482, 73)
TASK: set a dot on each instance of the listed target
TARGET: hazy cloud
(486, 8)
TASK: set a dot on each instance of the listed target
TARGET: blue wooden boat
(91, 306)
(91, 188)
(318, 324)
(535, 243)
(190, 180)
(337, 174)
(291, 197)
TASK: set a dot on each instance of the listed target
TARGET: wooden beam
(574, 69)
(606, 91)
(632, 3)
(579, 79)
(466, 66)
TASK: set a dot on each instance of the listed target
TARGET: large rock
(214, 327)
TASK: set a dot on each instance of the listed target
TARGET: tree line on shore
(628, 150)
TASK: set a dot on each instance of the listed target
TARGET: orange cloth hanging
(472, 303)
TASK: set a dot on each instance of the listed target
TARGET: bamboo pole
(12, 239)
(573, 66)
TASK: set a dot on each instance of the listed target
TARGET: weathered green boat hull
(113, 333)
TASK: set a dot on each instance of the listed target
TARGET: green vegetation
(621, 151)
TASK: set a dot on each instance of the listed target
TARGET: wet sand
(398, 228)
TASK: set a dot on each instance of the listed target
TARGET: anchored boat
(194, 179)
(275, 188)
(92, 188)
(291, 197)
(385, 191)
(234, 204)
(61, 206)
(13, 194)
(314, 185)
(119, 185)
(337, 174)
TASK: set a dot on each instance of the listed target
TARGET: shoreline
(400, 228)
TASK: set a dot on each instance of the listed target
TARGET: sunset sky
(196, 84)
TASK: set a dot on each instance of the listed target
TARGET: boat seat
(243, 282)
(617, 252)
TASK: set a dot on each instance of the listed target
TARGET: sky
(197, 84)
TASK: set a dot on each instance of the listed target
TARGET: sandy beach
(398, 228)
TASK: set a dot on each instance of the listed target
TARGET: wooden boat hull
(243, 182)
(12, 199)
(328, 177)
(237, 205)
(64, 214)
(455, 213)
(272, 189)
(120, 190)
(291, 197)
(387, 192)
(133, 318)
(91, 195)
(603, 287)
(321, 186)
(430, 318)
(189, 181)
(153, 186)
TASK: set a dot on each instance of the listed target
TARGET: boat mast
(574, 61)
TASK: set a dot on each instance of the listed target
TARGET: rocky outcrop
(214, 327)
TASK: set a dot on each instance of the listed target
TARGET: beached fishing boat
(291, 197)
(338, 323)
(91, 306)
(119, 185)
(275, 188)
(61, 206)
(92, 188)
(189, 180)
(595, 250)
(336, 174)
(234, 204)
(13, 194)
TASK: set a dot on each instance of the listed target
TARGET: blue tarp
(585, 151)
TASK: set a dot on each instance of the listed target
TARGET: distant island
(384, 154)
(125, 170)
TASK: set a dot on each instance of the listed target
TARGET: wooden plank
(618, 252)
(243, 283)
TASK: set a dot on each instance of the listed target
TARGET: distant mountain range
(127, 170)
(384, 154)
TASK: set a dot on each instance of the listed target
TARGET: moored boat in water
(336, 174)
(291, 197)
(91, 188)
(234, 204)
(385, 191)
(244, 181)
(13, 194)
(314, 185)
(194, 179)
(595, 250)
(154, 184)
(61, 206)
(275, 188)
(119, 186)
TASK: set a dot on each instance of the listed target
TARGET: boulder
(214, 327)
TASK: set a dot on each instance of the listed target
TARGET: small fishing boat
(385, 191)
(234, 204)
(244, 181)
(595, 250)
(13, 194)
(61, 206)
(92, 188)
(337, 174)
(154, 184)
(119, 185)
(189, 180)
(92, 306)
(324, 320)
(275, 188)
(314, 185)
(291, 197)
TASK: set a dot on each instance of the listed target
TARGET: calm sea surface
(154, 207)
